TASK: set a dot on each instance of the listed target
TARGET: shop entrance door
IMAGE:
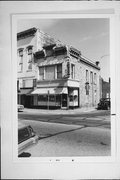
(64, 100)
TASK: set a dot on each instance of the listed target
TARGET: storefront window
(42, 98)
(52, 98)
(75, 98)
(71, 98)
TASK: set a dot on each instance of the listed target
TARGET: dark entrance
(27, 101)
(64, 100)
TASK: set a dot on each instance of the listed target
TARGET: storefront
(51, 97)
(63, 97)
(73, 96)
(25, 98)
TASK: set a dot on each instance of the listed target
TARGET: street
(63, 133)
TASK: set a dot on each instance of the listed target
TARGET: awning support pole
(48, 99)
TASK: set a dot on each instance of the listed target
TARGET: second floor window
(59, 71)
(20, 61)
(72, 71)
(95, 78)
(30, 58)
(50, 72)
(87, 76)
(41, 73)
(91, 77)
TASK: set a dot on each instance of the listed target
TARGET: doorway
(64, 100)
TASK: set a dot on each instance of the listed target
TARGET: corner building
(55, 75)
(65, 78)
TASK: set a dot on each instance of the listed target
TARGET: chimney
(97, 63)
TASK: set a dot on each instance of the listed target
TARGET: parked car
(26, 138)
(20, 107)
(104, 104)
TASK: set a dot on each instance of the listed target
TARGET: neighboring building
(60, 76)
(28, 42)
(105, 89)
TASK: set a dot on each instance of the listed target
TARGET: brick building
(28, 42)
(60, 76)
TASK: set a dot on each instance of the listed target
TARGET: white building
(54, 75)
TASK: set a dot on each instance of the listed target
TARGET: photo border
(11, 168)
(15, 18)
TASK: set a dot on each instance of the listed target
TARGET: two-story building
(54, 75)
(28, 42)
(65, 78)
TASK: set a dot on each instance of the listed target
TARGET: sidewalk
(61, 111)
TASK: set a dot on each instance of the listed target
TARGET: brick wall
(94, 89)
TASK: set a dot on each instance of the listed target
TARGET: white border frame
(60, 170)
(15, 18)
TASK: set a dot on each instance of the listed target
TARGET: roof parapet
(74, 52)
(89, 62)
(26, 33)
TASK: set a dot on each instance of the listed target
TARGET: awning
(50, 91)
(25, 91)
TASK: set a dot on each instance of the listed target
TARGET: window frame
(87, 75)
(72, 71)
(91, 77)
(20, 65)
(47, 72)
(59, 71)
(30, 55)
(42, 74)
(95, 78)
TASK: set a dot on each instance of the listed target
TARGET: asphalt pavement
(75, 132)
(61, 140)
(86, 117)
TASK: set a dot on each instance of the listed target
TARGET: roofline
(81, 58)
(28, 32)
(84, 60)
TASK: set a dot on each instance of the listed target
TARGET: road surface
(86, 134)
(94, 118)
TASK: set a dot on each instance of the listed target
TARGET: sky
(89, 35)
